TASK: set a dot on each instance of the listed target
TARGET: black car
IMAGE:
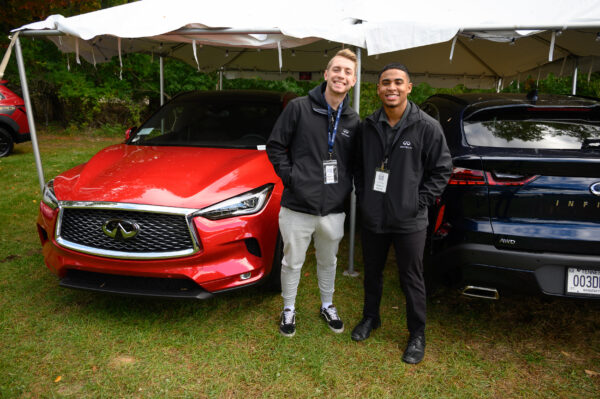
(522, 209)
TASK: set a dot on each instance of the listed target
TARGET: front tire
(6, 143)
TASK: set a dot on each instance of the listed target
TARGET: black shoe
(415, 350)
(333, 320)
(287, 323)
(363, 329)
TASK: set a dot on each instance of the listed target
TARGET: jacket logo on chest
(345, 132)
(406, 145)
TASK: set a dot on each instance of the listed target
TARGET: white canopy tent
(471, 42)
(474, 43)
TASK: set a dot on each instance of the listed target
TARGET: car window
(210, 122)
(431, 110)
(550, 129)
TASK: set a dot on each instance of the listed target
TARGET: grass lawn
(56, 342)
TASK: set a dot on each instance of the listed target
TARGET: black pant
(409, 258)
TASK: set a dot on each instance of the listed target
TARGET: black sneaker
(333, 320)
(287, 323)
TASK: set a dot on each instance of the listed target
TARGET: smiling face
(393, 88)
(340, 75)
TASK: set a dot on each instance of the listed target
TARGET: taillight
(505, 179)
(464, 176)
(439, 218)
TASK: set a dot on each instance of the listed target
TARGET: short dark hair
(394, 65)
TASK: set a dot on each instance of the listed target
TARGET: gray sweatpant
(297, 228)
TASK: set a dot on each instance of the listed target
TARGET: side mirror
(129, 131)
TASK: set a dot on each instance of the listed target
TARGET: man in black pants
(403, 165)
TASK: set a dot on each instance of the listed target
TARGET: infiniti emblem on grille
(595, 188)
(120, 229)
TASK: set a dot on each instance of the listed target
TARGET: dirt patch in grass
(70, 390)
(122, 361)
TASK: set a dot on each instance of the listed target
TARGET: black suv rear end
(522, 208)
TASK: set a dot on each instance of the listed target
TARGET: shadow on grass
(102, 306)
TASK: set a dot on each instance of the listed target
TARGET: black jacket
(419, 164)
(297, 147)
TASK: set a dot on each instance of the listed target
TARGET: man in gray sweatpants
(311, 148)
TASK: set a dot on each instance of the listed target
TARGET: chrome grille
(158, 232)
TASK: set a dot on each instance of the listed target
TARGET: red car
(186, 207)
(14, 127)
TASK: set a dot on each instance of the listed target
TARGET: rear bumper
(529, 272)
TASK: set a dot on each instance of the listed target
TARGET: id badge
(330, 171)
(381, 180)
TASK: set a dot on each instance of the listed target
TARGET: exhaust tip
(481, 292)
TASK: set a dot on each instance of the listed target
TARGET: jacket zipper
(382, 134)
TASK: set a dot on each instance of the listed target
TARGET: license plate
(583, 281)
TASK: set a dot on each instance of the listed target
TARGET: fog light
(245, 276)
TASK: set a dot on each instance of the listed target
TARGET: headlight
(243, 204)
(7, 109)
(48, 196)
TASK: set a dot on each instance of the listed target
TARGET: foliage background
(79, 96)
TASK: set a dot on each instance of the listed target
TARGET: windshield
(211, 121)
(555, 130)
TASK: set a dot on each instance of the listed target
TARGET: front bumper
(520, 271)
(235, 253)
(170, 288)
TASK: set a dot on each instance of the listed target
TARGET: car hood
(187, 177)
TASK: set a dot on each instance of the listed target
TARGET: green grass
(228, 347)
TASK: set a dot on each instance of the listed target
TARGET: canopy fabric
(443, 43)
(478, 43)
(154, 27)
(394, 26)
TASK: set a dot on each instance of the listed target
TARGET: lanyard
(388, 147)
(331, 134)
(390, 143)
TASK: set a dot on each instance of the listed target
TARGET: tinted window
(431, 110)
(210, 122)
(536, 129)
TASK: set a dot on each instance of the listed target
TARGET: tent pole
(351, 272)
(574, 91)
(162, 80)
(221, 79)
(25, 88)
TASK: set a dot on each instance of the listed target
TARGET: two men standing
(400, 163)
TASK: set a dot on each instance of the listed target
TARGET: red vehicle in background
(187, 207)
(14, 127)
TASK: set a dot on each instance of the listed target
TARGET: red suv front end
(187, 207)
(14, 127)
